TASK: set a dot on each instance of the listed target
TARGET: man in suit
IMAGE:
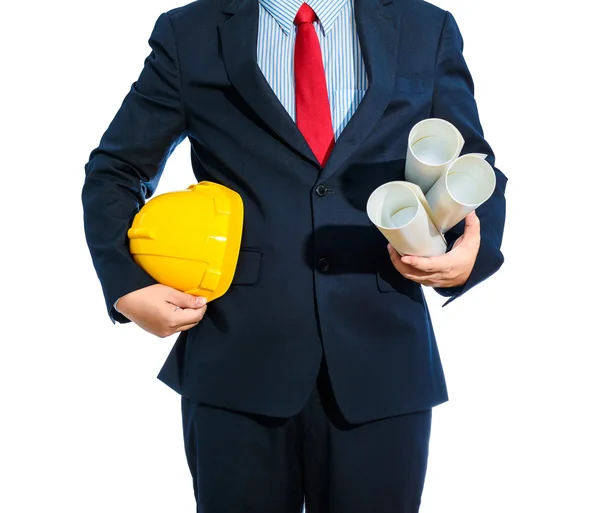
(312, 380)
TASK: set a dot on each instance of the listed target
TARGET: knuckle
(165, 325)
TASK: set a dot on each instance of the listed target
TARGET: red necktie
(313, 114)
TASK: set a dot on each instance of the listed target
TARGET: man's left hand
(449, 270)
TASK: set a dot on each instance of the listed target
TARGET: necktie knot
(305, 15)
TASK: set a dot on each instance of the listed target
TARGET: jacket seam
(177, 62)
(437, 55)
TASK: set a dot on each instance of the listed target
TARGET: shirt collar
(284, 11)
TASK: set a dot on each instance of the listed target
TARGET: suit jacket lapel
(378, 33)
(239, 40)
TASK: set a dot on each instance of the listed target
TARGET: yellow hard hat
(190, 239)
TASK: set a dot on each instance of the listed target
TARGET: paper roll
(400, 211)
(433, 144)
(465, 185)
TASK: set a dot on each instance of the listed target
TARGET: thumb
(183, 300)
(471, 224)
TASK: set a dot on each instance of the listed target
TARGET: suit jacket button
(323, 265)
(321, 190)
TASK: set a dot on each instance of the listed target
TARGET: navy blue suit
(314, 277)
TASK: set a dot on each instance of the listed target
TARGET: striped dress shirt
(345, 71)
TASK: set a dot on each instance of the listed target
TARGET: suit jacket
(313, 277)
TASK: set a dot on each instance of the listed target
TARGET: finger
(425, 278)
(397, 262)
(430, 265)
(422, 277)
(425, 282)
(187, 327)
(396, 259)
(187, 316)
(183, 300)
(410, 272)
(472, 225)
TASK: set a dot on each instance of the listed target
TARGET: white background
(87, 427)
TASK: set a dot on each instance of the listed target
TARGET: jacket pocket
(387, 284)
(390, 282)
(247, 270)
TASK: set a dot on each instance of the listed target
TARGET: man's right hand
(162, 310)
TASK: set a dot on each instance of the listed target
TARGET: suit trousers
(246, 463)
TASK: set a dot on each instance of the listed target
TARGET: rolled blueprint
(401, 213)
(433, 144)
(465, 185)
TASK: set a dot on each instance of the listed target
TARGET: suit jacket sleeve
(454, 101)
(123, 171)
